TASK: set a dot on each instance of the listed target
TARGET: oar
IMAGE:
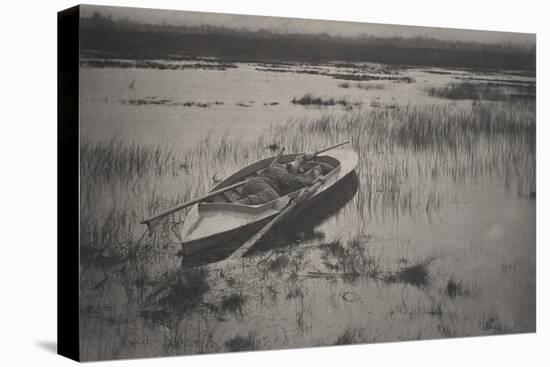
(329, 148)
(151, 222)
(303, 195)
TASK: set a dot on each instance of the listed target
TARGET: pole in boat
(305, 193)
(332, 147)
(151, 222)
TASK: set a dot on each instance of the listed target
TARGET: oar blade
(151, 224)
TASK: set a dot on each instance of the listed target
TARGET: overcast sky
(290, 25)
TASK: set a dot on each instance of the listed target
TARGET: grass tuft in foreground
(417, 275)
(242, 343)
(353, 335)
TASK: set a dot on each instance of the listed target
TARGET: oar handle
(332, 147)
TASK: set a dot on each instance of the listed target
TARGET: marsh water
(422, 241)
(148, 105)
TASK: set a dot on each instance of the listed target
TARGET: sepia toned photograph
(257, 183)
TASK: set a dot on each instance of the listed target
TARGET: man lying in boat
(278, 180)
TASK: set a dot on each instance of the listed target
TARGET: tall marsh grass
(123, 160)
(412, 160)
(483, 91)
(407, 157)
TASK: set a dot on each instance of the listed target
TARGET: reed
(310, 100)
(483, 91)
(242, 343)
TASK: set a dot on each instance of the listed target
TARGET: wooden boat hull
(212, 224)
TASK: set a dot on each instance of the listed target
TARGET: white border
(28, 184)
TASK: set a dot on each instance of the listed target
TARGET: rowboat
(211, 221)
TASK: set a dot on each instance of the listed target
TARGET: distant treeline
(125, 39)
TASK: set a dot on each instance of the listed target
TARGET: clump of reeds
(354, 335)
(363, 86)
(233, 303)
(417, 274)
(351, 260)
(482, 91)
(352, 74)
(153, 64)
(349, 336)
(446, 330)
(295, 292)
(273, 147)
(184, 291)
(147, 101)
(493, 324)
(456, 288)
(309, 100)
(242, 343)
(156, 101)
(278, 264)
(116, 158)
(157, 316)
(370, 77)
(275, 70)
